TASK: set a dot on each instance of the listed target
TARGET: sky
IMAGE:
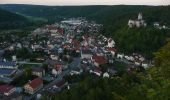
(87, 2)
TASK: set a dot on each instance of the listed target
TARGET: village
(40, 61)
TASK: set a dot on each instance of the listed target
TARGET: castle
(137, 23)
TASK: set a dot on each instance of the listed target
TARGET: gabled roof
(5, 88)
(35, 83)
(110, 49)
(76, 43)
(37, 69)
(7, 63)
(5, 71)
(57, 67)
(99, 59)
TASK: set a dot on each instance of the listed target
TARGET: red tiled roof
(99, 59)
(57, 67)
(61, 31)
(110, 49)
(76, 43)
(35, 83)
(5, 88)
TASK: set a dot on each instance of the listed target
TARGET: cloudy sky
(87, 2)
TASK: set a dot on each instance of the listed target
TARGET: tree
(162, 60)
(28, 72)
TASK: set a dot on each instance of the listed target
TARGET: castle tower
(140, 16)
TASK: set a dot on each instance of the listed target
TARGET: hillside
(9, 16)
(114, 18)
(11, 20)
(103, 14)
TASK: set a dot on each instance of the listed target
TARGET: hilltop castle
(137, 23)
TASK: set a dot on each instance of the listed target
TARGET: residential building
(111, 42)
(86, 54)
(57, 69)
(37, 71)
(98, 60)
(6, 89)
(13, 96)
(33, 86)
(9, 65)
(4, 72)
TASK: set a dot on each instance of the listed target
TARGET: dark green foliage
(162, 60)
(141, 40)
(9, 16)
(11, 20)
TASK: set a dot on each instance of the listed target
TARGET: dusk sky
(87, 2)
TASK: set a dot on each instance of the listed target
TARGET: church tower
(140, 16)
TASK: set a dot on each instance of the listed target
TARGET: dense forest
(9, 20)
(12, 20)
(114, 18)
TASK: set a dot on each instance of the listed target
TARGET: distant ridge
(10, 20)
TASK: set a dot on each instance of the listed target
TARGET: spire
(140, 16)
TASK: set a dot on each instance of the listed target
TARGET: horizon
(88, 2)
(80, 4)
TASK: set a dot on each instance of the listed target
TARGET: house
(156, 24)
(98, 60)
(57, 69)
(111, 50)
(33, 86)
(75, 43)
(76, 71)
(9, 65)
(86, 54)
(106, 74)
(4, 72)
(54, 57)
(111, 42)
(61, 84)
(13, 96)
(7, 89)
(129, 58)
(14, 58)
(111, 71)
(37, 71)
(145, 64)
(52, 28)
(137, 63)
(96, 71)
(120, 56)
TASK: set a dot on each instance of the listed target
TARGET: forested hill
(9, 16)
(103, 14)
(114, 18)
(11, 20)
